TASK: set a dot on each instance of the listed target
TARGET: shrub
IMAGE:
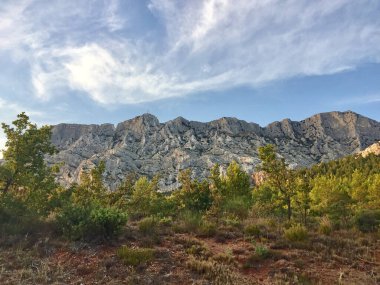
(368, 221)
(207, 229)
(237, 206)
(252, 230)
(232, 221)
(189, 222)
(166, 221)
(262, 251)
(325, 226)
(135, 256)
(215, 272)
(296, 233)
(148, 225)
(90, 222)
(16, 217)
(106, 222)
(225, 258)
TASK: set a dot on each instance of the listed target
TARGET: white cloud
(112, 19)
(359, 100)
(208, 45)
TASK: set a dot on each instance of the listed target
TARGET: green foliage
(16, 217)
(368, 220)
(135, 256)
(296, 233)
(325, 226)
(145, 200)
(252, 230)
(90, 222)
(24, 172)
(237, 206)
(148, 226)
(280, 178)
(330, 196)
(262, 251)
(236, 182)
(189, 221)
(207, 229)
(193, 195)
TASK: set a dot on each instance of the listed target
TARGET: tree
(193, 195)
(237, 181)
(279, 177)
(330, 196)
(24, 171)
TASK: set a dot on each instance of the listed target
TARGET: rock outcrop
(148, 147)
(372, 149)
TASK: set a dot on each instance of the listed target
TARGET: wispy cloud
(359, 100)
(206, 45)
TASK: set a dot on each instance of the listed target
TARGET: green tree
(236, 181)
(24, 171)
(193, 195)
(145, 199)
(330, 196)
(279, 177)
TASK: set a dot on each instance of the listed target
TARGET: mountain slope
(148, 147)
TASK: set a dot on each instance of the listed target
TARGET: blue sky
(103, 61)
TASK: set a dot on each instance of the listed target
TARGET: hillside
(147, 147)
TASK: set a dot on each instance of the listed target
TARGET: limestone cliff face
(372, 149)
(148, 147)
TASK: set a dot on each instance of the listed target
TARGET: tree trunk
(289, 209)
(7, 185)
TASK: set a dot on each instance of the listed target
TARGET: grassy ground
(171, 255)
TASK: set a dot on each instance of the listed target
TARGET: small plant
(217, 273)
(368, 221)
(199, 250)
(225, 258)
(148, 226)
(206, 229)
(325, 226)
(135, 256)
(296, 233)
(232, 221)
(166, 221)
(189, 222)
(262, 251)
(252, 230)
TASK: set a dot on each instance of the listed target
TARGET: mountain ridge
(148, 147)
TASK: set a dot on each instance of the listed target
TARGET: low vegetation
(297, 226)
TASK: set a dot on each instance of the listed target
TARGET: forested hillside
(298, 226)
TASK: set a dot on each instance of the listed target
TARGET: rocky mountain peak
(148, 147)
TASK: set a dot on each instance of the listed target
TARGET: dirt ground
(178, 256)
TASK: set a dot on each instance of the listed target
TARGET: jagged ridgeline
(147, 147)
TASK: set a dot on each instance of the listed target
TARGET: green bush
(368, 221)
(252, 230)
(189, 222)
(16, 217)
(232, 221)
(237, 206)
(90, 222)
(262, 251)
(148, 226)
(325, 226)
(107, 222)
(207, 229)
(296, 233)
(135, 256)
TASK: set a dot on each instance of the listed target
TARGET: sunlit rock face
(372, 149)
(148, 147)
